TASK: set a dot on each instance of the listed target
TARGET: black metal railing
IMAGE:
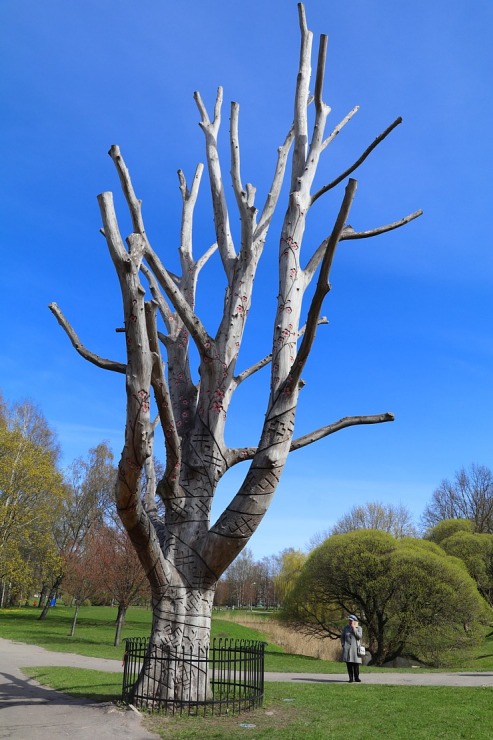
(227, 676)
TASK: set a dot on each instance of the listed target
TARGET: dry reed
(292, 641)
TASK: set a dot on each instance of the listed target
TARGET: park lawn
(96, 628)
(313, 711)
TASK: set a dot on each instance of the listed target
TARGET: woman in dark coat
(350, 637)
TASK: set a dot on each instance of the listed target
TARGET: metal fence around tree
(227, 676)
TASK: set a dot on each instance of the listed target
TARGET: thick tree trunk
(175, 668)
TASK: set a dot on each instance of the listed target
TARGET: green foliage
(292, 562)
(411, 597)
(447, 528)
(31, 497)
(475, 550)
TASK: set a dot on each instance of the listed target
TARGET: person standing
(350, 637)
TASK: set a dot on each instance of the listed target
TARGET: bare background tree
(392, 518)
(89, 487)
(468, 496)
(182, 553)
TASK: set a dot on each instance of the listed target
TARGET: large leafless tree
(182, 552)
(468, 496)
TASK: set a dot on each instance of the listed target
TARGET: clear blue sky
(410, 312)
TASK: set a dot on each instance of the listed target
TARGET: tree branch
(347, 421)
(177, 299)
(275, 189)
(322, 110)
(268, 358)
(165, 279)
(241, 454)
(189, 199)
(339, 127)
(163, 307)
(359, 161)
(117, 367)
(349, 233)
(301, 101)
(205, 257)
(322, 288)
(163, 401)
(221, 216)
(244, 199)
(134, 204)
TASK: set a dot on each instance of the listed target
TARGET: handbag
(361, 650)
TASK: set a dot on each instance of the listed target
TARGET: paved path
(34, 712)
(391, 678)
(29, 711)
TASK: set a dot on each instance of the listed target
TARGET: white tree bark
(182, 553)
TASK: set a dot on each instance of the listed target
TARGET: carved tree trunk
(182, 554)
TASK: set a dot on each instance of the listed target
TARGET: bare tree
(182, 553)
(392, 518)
(241, 579)
(468, 496)
(88, 485)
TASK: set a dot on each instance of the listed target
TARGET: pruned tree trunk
(120, 621)
(74, 619)
(182, 554)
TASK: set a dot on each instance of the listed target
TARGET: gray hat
(353, 618)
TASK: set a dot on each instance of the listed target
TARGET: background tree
(291, 565)
(412, 599)
(468, 496)
(266, 575)
(116, 571)
(182, 553)
(89, 483)
(395, 519)
(448, 527)
(31, 497)
(240, 580)
(475, 549)
(79, 576)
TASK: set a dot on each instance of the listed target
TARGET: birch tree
(183, 552)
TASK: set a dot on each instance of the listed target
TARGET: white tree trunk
(182, 554)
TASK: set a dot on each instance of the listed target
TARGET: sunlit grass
(314, 711)
(96, 629)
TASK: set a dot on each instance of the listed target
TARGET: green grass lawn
(96, 629)
(290, 711)
(314, 711)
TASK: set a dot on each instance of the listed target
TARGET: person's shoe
(358, 680)
(350, 680)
